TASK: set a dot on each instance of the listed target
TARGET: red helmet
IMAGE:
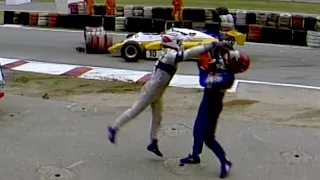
(238, 61)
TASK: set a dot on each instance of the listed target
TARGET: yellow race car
(148, 45)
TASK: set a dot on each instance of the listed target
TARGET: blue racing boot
(153, 147)
(225, 169)
(190, 159)
(112, 134)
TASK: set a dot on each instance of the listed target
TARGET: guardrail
(283, 28)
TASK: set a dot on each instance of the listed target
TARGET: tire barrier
(137, 24)
(310, 23)
(173, 23)
(16, 18)
(159, 25)
(77, 8)
(222, 11)
(81, 8)
(24, 18)
(52, 19)
(198, 25)
(213, 27)
(241, 18)
(162, 13)
(282, 28)
(254, 32)
(120, 23)
(313, 39)
(299, 38)
(318, 24)
(119, 12)
(272, 20)
(227, 22)
(43, 19)
(73, 8)
(33, 20)
(261, 18)
(208, 16)
(297, 22)
(97, 41)
(8, 17)
(285, 20)
(128, 11)
(251, 18)
(147, 12)
(284, 36)
(195, 15)
(109, 23)
(99, 10)
(138, 11)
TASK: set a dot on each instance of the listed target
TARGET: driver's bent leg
(157, 108)
(147, 95)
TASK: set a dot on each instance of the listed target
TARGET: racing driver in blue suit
(217, 71)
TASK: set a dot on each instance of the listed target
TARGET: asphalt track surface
(271, 63)
(36, 133)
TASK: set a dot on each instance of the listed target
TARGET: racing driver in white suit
(151, 93)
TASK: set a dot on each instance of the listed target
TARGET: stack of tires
(33, 20)
(285, 20)
(52, 19)
(241, 18)
(313, 39)
(73, 8)
(120, 23)
(318, 24)
(138, 11)
(97, 40)
(312, 25)
(119, 11)
(43, 19)
(147, 12)
(208, 15)
(16, 18)
(128, 11)
(254, 33)
(81, 8)
(261, 18)
(227, 22)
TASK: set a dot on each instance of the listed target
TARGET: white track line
(279, 84)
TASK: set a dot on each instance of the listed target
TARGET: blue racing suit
(215, 85)
(210, 108)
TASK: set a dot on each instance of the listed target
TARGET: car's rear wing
(239, 37)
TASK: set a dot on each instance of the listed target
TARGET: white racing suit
(151, 93)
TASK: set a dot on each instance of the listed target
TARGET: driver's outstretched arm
(197, 50)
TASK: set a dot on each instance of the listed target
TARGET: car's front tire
(131, 51)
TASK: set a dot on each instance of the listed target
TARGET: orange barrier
(33, 19)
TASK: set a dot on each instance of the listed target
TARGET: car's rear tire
(131, 51)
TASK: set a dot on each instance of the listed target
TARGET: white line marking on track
(279, 84)
(75, 164)
(125, 34)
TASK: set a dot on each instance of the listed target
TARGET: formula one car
(148, 45)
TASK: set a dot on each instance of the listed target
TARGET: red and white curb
(100, 73)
